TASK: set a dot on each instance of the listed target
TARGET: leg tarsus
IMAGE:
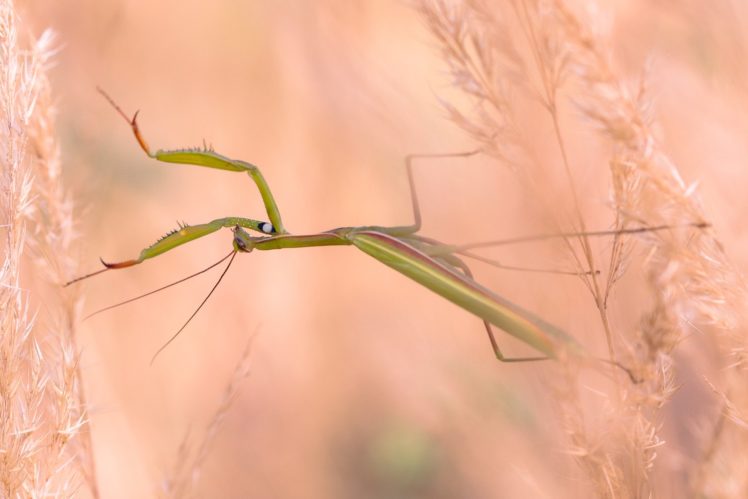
(500, 356)
(107, 266)
(133, 122)
(416, 226)
(634, 379)
(457, 262)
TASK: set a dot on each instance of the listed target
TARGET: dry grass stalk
(183, 478)
(693, 285)
(44, 442)
(497, 50)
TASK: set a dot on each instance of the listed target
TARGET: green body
(462, 291)
(435, 275)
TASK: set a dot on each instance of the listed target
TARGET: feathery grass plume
(183, 478)
(693, 284)
(499, 49)
(44, 442)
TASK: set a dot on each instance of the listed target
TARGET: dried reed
(45, 448)
(182, 479)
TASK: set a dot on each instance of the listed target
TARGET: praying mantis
(430, 263)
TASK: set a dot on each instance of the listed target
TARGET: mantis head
(242, 240)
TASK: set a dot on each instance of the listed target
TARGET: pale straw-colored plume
(45, 450)
(516, 57)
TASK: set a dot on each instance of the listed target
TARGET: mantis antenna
(180, 281)
(220, 278)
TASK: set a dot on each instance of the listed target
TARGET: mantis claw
(133, 122)
(119, 265)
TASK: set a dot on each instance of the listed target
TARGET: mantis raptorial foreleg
(180, 236)
(210, 159)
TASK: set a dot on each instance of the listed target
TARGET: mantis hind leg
(458, 263)
(405, 230)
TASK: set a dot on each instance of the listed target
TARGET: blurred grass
(327, 97)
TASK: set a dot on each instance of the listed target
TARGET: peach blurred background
(363, 384)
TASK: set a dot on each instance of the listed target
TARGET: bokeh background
(362, 383)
